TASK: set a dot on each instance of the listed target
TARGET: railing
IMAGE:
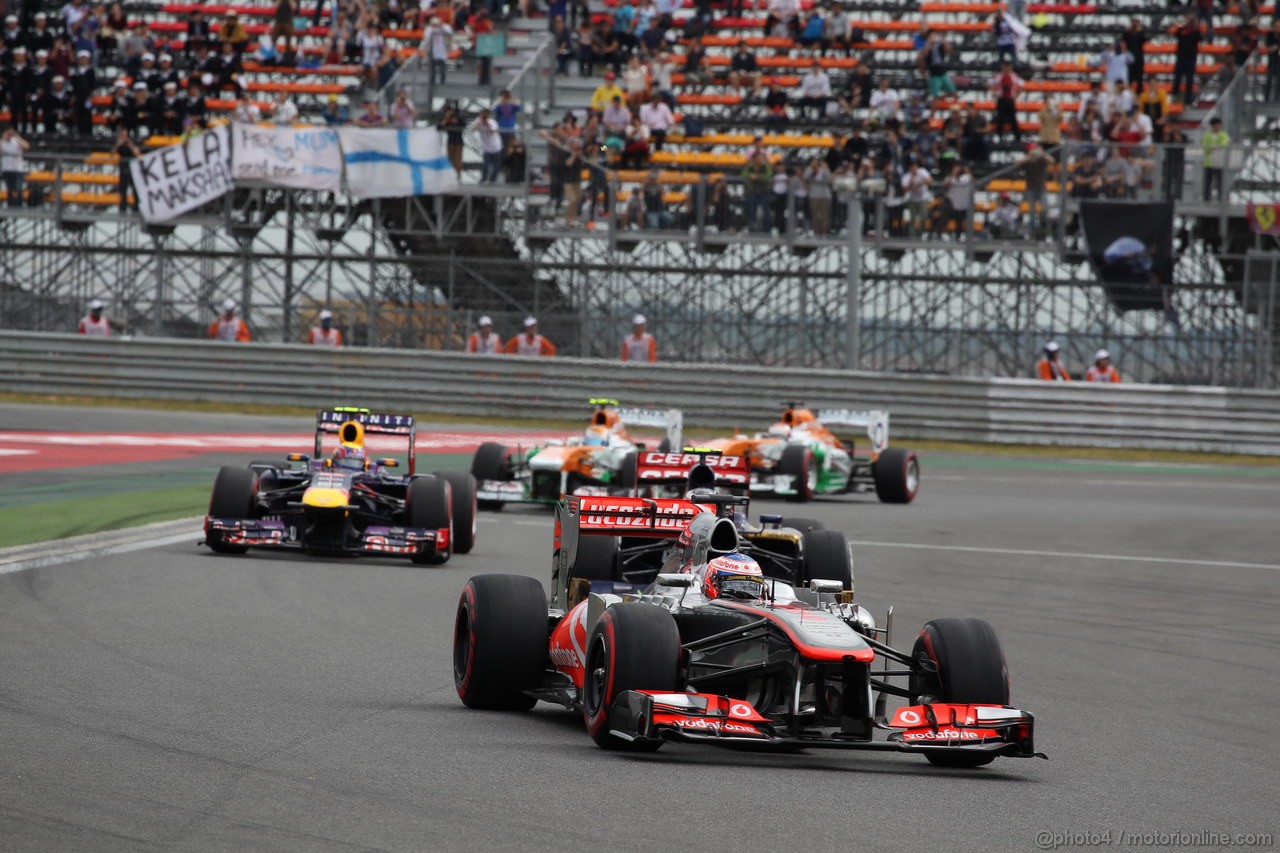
(723, 396)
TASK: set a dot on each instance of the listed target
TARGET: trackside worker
(325, 335)
(639, 345)
(1049, 368)
(529, 342)
(483, 340)
(95, 324)
(1102, 370)
(229, 327)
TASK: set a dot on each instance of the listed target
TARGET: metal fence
(720, 396)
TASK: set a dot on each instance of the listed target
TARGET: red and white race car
(715, 651)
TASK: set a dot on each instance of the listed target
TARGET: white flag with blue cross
(388, 163)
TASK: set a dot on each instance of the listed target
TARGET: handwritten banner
(174, 180)
(1263, 218)
(303, 158)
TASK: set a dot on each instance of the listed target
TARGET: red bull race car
(601, 460)
(716, 652)
(345, 502)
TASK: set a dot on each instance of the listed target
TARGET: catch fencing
(1003, 411)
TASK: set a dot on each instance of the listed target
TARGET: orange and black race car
(600, 460)
(800, 456)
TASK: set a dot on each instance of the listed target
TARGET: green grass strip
(58, 520)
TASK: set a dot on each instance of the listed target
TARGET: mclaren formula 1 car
(800, 456)
(346, 502)
(599, 461)
(715, 652)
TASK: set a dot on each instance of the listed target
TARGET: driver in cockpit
(734, 577)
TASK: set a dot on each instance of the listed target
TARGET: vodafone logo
(942, 734)
(741, 709)
(716, 726)
(910, 718)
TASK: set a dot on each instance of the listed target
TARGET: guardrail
(1006, 411)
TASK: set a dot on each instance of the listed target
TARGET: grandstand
(968, 282)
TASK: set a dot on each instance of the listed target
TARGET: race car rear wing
(692, 469)
(672, 420)
(330, 421)
(875, 422)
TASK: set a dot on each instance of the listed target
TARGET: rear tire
(232, 497)
(827, 556)
(463, 505)
(491, 462)
(797, 462)
(633, 647)
(428, 504)
(970, 669)
(896, 474)
(500, 642)
(804, 525)
(626, 475)
(597, 559)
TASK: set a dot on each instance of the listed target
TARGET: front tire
(633, 647)
(428, 504)
(463, 505)
(969, 668)
(827, 556)
(500, 642)
(491, 462)
(798, 463)
(232, 497)
(896, 473)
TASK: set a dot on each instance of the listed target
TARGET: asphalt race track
(171, 699)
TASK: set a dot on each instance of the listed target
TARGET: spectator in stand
(334, 114)
(403, 112)
(1115, 62)
(529, 342)
(480, 25)
(1007, 86)
(438, 39)
(565, 47)
(1035, 172)
(282, 28)
(198, 32)
(696, 75)
(246, 110)
(635, 81)
(229, 327)
(507, 114)
(515, 162)
(1135, 42)
(757, 178)
(13, 164)
(606, 93)
(1005, 221)
(1050, 117)
(915, 186)
(484, 341)
(371, 117)
(167, 109)
(1086, 176)
(386, 66)
(814, 32)
(656, 215)
(491, 148)
(635, 151)
(1102, 369)
(573, 164)
(1271, 50)
(959, 188)
(1188, 36)
(325, 335)
(84, 80)
(1006, 39)
(885, 102)
(1049, 368)
(232, 32)
(658, 118)
(451, 124)
(934, 59)
(371, 44)
(784, 15)
(815, 92)
(1215, 143)
(95, 324)
(639, 345)
(744, 71)
(775, 104)
(818, 182)
(285, 110)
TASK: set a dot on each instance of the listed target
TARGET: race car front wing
(644, 715)
(255, 533)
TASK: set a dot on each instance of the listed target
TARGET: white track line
(1151, 484)
(122, 541)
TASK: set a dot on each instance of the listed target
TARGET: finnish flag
(388, 163)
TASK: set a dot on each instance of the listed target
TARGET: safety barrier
(1008, 411)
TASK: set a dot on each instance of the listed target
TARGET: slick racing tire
(597, 559)
(827, 557)
(428, 504)
(463, 504)
(633, 647)
(968, 666)
(500, 642)
(491, 462)
(797, 462)
(232, 497)
(804, 525)
(897, 476)
(625, 480)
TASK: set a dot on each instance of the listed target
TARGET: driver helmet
(779, 430)
(597, 436)
(734, 576)
(351, 452)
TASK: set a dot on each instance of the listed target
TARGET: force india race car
(789, 548)
(346, 503)
(800, 457)
(599, 461)
(683, 660)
